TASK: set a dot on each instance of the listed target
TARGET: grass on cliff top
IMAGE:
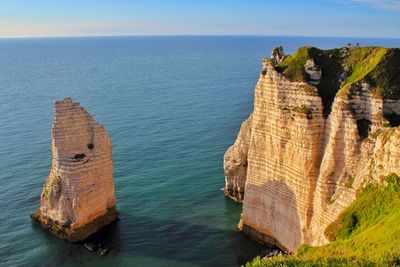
(386, 75)
(292, 67)
(366, 234)
(343, 67)
(361, 61)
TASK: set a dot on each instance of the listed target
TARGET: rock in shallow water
(90, 246)
(104, 251)
(78, 197)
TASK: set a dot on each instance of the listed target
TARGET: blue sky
(358, 18)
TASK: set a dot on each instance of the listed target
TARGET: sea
(172, 106)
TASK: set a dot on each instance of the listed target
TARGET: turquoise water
(172, 106)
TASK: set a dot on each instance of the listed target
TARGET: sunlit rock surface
(301, 168)
(78, 196)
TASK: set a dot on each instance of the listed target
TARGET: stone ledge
(75, 235)
(234, 195)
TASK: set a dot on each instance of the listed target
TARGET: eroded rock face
(314, 71)
(235, 163)
(303, 170)
(78, 197)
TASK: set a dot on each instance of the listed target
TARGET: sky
(355, 18)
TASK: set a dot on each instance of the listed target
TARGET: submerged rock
(78, 197)
(104, 251)
(91, 246)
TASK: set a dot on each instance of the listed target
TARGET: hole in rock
(90, 146)
(79, 156)
(363, 127)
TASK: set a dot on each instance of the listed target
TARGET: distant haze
(358, 18)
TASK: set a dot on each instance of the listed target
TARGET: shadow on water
(174, 240)
(140, 236)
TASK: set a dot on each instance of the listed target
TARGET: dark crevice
(363, 127)
(330, 64)
(393, 119)
(329, 61)
(79, 156)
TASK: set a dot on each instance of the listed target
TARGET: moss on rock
(344, 67)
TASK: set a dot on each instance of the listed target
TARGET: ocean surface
(172, 106)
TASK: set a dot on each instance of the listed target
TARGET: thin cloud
(381, 4)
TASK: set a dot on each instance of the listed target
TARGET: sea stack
(78, 196)
(324, 125)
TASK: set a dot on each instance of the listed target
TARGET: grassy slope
(361, 61)
(386, 75)
(377, 65)
(367, 233)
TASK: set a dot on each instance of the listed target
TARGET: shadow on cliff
(362, 121)
(273, 216)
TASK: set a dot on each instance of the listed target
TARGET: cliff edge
(324, 125)
(78, 197)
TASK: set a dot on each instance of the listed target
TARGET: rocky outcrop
(301, 168)
(78, 197)
(235, 163)
(314, 71)
(277, 55)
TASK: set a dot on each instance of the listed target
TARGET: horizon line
(185, 35)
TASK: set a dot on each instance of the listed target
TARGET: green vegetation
(293, 66)
(328, 60)
(344, 69)
(386, 75)
(366, 234)
(52, 182)
(293, 261)
(361, 61)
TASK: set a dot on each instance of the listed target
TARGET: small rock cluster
(93, 247)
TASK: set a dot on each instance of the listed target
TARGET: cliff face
(235, 163)
(78, 197)
(314, 138)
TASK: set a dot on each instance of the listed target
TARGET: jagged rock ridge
(313, 140)
(78, 197)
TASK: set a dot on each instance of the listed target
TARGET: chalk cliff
(324, 125)
(78, 197)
